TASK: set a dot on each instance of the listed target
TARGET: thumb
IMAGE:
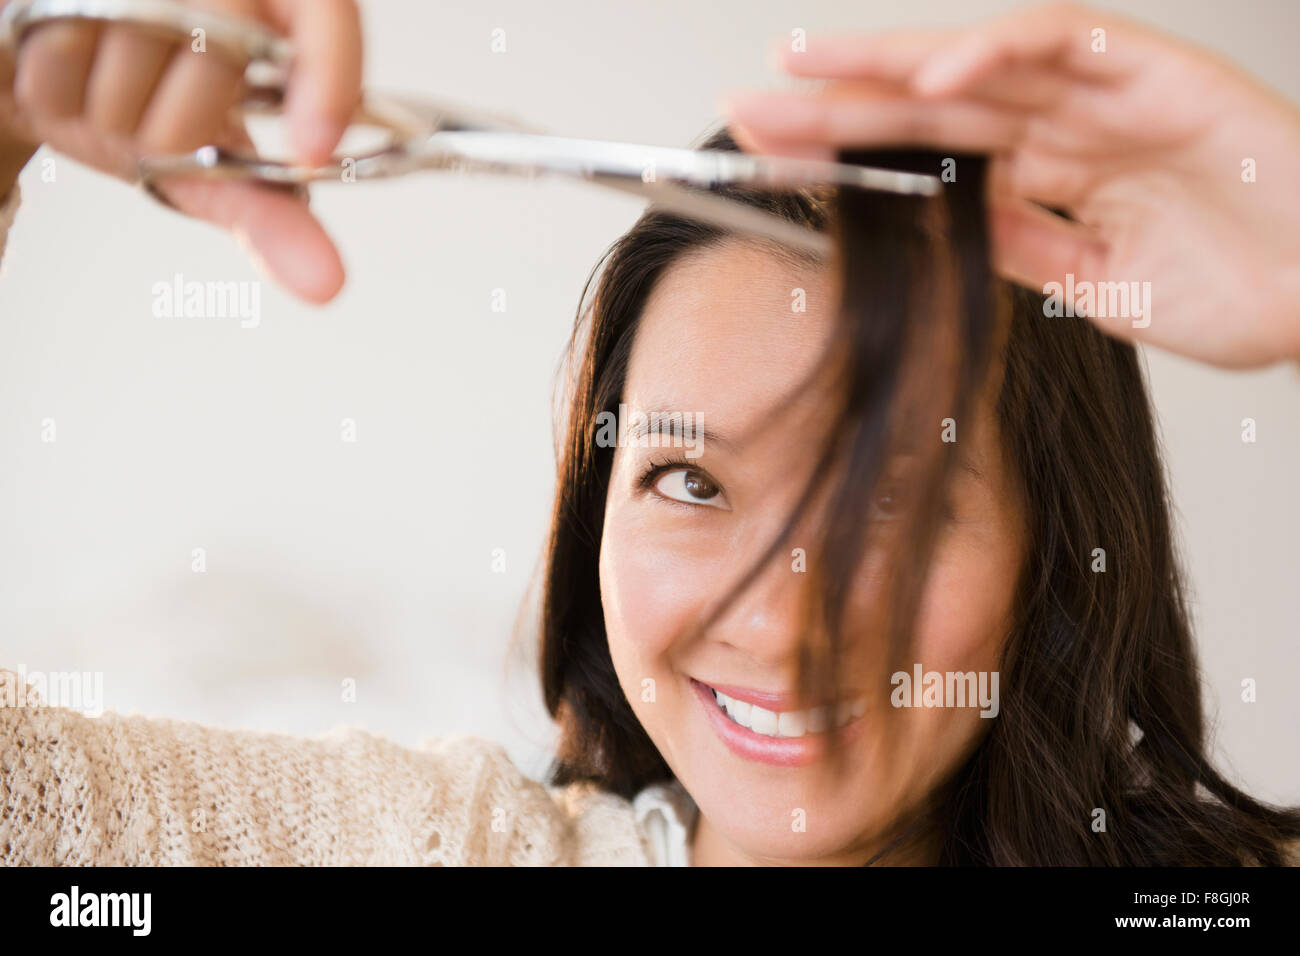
(285, 240)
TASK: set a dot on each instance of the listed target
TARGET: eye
(690, 487)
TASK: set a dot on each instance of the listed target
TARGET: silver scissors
(427, 134)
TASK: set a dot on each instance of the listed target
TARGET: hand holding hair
(1178, 168)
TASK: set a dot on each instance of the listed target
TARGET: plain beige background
(373, 560)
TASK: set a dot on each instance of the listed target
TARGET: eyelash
(656, 468)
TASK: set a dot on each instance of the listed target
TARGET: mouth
(778, 737)
(770, 721)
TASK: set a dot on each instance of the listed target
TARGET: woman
(1088, 746)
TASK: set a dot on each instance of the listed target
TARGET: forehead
(731, 327)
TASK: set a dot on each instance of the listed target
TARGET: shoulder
(121, 790)
(608, 829)
(514, 820)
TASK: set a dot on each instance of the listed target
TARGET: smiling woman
(917, 470)
(856, 560)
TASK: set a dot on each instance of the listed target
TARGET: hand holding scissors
(105, 92)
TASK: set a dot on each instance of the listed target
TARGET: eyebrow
(672, 425)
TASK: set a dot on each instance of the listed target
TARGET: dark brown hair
(1100, 704)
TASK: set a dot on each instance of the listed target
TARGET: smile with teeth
(792, 723)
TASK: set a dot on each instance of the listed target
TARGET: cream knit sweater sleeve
(124, 790)
(120, 790)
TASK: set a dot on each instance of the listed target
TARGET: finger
(1033, 247)
(193, 99)
(1055, 179)
(53, 65)
(775, 147)
(1024, 87)
(874, 120)
(892, 56)
(325, 87)
(285, 240)
(1062, 31)
(1062, 34)
(7, 70)
(128, 66)
(191, 103)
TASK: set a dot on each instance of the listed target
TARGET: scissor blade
(724, 213)
(672, 179)
(529, 152)
(441, 117)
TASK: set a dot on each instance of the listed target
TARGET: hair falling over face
(912, 348)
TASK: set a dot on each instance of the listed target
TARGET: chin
(771, 837)
(781, 820)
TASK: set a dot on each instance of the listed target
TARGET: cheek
(966, 609)
(966, 612)
(650, 592)
(965, 617)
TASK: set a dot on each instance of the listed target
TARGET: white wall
(372, 560)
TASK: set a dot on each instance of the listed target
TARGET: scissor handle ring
(266, 56)
(237, 37)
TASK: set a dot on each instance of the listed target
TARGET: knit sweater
(126, 790)
(122, 790)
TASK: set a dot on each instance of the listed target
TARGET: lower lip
(777, 751)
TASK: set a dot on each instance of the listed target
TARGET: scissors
(428, 134)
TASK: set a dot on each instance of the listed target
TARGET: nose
(775, 619)
(765, 620)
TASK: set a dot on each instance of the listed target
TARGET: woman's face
(719, 339)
